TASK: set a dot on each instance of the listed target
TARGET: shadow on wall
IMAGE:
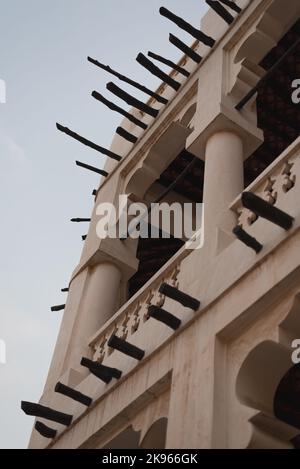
(155, 438)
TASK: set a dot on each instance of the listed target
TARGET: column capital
(122, 254)
(226, 119)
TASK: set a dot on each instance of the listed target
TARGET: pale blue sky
(43, 50)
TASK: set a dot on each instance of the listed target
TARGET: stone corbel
(162, 153)
(247, 78)
(143, 178)
(267, 30)
(260, 39)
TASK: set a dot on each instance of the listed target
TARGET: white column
(98, 304)
(223, 181)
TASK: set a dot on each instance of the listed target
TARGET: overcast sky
(43, 50)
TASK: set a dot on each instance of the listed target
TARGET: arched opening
(155, 438)
(287, 400)
(267, 382)
(128, 439)
(260, 375)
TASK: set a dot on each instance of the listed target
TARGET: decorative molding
(273, 184)
(134, 316)
(268, 24)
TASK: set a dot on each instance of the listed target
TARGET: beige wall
(195, 377)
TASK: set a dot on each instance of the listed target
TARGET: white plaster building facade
(212, 383)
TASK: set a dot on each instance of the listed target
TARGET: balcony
(277, 185)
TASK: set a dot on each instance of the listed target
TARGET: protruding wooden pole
(142, 60)
(264, 209)
(126, 348)
(196, 33)
(73, 394)
(131, 100)
(164, 316)
(88, 143)
(158, 98)
(58, 308)
(248, 240)
(118, 109)
(221, 11)
(231, 5)
(80, 220)
(92, 168)
(169, 63)
(38, 410)
(128, 136)
(177, 295)
(45, 431)
(185, 49)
